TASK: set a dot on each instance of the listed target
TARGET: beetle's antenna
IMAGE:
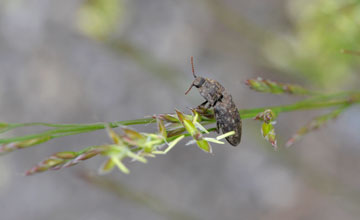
(193, 71)
(192, 66)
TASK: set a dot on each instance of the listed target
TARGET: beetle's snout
(187, 91)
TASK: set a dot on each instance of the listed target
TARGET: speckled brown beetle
(226, 113)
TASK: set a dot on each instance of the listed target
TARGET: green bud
(267, 116)
(65, 155)
(32, 142)
(263, 85)
(161, 128)
(268, 132)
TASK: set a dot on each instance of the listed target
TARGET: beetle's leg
(217, 127)
(218, 100)
(215, 103)
(203, 105)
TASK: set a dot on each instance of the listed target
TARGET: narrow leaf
(120, 165)
(136, 157)
(225, 135)
(201, 128)
(213, 140)
(173, 143)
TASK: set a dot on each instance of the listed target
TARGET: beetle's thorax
(211, 90)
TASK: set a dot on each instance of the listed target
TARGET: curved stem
(61, 130)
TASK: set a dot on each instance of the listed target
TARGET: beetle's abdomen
(228, 118)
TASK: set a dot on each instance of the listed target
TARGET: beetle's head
(198, 81)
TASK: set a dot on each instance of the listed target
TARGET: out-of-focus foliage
(98, 18)
(264, 85)
(322, 28)
(315, 124)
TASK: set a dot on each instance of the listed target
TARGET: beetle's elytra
(226, 113)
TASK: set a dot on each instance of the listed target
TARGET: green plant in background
(172, 128)
(98, 18)
(322, 28)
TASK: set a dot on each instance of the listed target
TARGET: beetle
(226, 113)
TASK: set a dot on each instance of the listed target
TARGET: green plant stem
(326, 101)
(62, 130)
(70, 129)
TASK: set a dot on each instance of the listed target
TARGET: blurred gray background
(108, 60)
